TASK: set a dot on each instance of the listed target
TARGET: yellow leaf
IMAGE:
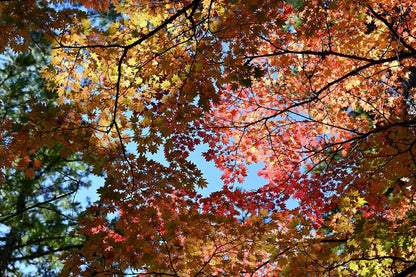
(175, 78)
(264, 212)
(166, 85)
(143, 23)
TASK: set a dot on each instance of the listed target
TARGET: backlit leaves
(318, 92)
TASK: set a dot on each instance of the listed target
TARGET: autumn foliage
(321, 94)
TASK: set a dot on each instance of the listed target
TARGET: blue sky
(210, 172)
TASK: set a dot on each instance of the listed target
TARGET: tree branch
(407, 271)
(44, 253)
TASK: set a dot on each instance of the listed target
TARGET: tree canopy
(321, 94)
(37, 207)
